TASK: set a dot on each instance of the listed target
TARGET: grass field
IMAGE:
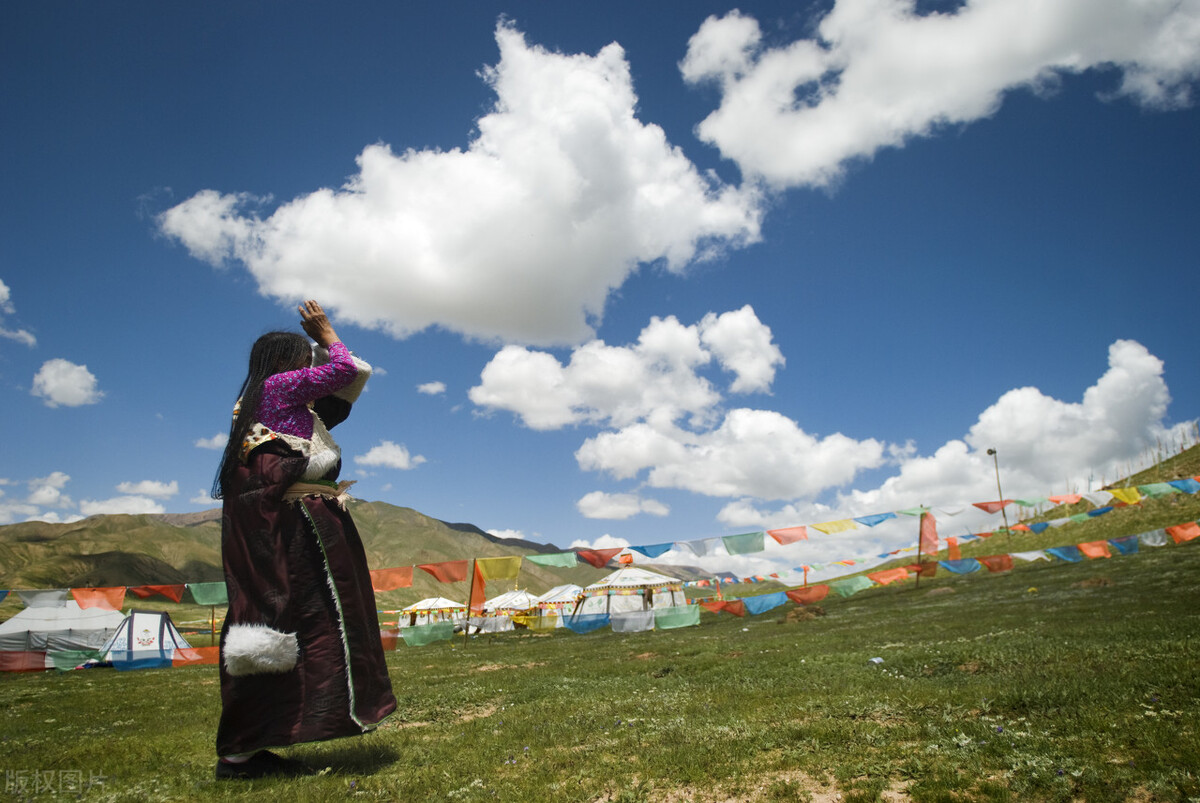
(1052, 682)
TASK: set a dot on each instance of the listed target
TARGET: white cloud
(601, 505)
(389, 455)
(151, 488)
(132, 505)
(203, 497)
(216, 442)
(655, 379)
(1045, 446)
(878, 73)
(6, 308)
(432, 388)
(47, 491)
(759, 453)
(510, 535)
(605, 541)
(564, 192)
(60, 382)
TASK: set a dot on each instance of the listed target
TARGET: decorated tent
(628, 589)
(498, 612)
(553, 606)
(32, 637)
(432, 609)
(145, 640)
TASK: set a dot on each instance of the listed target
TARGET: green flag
(564, 560)
(420, 635)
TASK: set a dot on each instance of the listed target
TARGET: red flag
(997, 563)
(714, 605)
(735, 606)
(598, 557)
(391, 579)
(929, 536)
(452, 571)
(108, 598)
(993, 507)
(1066, 499)
(173, 593)
(1184, 532)
(952, 550)
(808, 594)
(789, 535)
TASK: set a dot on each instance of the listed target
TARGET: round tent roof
(563, 593)
(633, 577)
(511, 601)
(434, 604)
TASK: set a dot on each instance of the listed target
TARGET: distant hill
(180, 548)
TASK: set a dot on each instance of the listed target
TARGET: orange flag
(993, 507)
(108, 598)
(1066, 499)
(952, 550)
(789, 535)
(452, 571)
(714, 605)
(391, 579)
(889, 575)
(173, 593)
(598, 557)
(1095, 549)
(735, 606)
(808, 594)
(1184, 532)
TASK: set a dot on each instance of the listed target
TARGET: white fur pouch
(259, 650)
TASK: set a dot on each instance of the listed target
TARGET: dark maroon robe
(298, 567)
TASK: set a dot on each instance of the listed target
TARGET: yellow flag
(499, 568)
(839, 526)
(1130, 496)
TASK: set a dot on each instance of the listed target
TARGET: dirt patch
(806, 614)
(478, 713)
(494, 667)
(970, 667)
(645, 656)
(778, 786)
(940, 590)
(1093, 582)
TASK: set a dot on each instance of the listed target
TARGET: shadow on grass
(362, 760)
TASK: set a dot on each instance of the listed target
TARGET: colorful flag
(993, 507)
(171, 592)
(563, 560)
(391, 579)
(109, 599)
(743, 544)
(789, 535)
(451, 571)
(598, 557)
(808, 594)
(929, 536)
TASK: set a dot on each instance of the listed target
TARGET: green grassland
(1051, 682)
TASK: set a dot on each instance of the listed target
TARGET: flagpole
(920, 521)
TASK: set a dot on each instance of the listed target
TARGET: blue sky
(631, 273)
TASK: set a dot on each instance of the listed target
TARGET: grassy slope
(1084, 689)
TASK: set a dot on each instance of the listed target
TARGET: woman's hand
(313, 319)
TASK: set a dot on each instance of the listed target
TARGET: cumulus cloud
(130, 505)
(62, 383)
(605, 541)
(564, 192)
(7, 308)
(1045, 446)
(151, 488)
(664, 416)
(657, 379)
(432, 388)
(203, 497)
(601, 505)
(48, 491)
(389, 455)
(509, 535)
(878, 73)
(216, 442)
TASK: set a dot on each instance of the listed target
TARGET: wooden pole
(920, 522)
(470, 599)
(212, 628)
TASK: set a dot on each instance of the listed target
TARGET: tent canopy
(633, 577)
(511, 601)
(560, 594)
(434, 604)
(144, 640)
(59, 628)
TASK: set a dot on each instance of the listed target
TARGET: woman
(301, 658)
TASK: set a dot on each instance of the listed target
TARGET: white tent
(631, 588)
(555, 604)
(145, 639)
(432, 609)
(499, 610)
(59, 628)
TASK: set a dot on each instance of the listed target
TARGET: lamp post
(996, 463)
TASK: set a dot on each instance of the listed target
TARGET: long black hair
(271, 354)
